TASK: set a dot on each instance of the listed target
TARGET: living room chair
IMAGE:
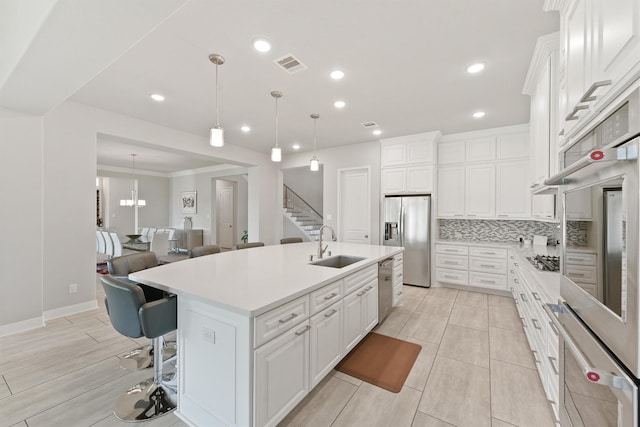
(134, 317)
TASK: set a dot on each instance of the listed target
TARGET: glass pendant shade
(217, 136)
(276, 154)
(315, 165)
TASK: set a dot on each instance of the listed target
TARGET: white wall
(306, 184)
(21, 218)
(349, 156)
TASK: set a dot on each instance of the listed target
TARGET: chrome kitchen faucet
(333, 237)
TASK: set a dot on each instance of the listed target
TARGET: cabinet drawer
(452, 276)
(359, 278)
(488, 252)
(397, 294)
(487, 280)
(592, 289)
(580, 258)
(452, 249)
(582, 273)
(488, 265)
(273, 323)
(325, 296)
(452, 261)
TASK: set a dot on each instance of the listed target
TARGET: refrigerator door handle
(401, 226)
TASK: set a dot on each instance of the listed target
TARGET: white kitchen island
(259, 328)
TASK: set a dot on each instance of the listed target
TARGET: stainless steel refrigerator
(407, 223)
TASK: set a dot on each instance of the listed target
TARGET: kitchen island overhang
(243, 316)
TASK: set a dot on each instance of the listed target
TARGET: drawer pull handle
(576, 259)
(489, 282)
(361, 293)
(588, 95)
(368, 288)
(333, 294)
(553, 328)
(487, 266)
(573, 115)
(303, 330)
(535, 356)
(450, 262)
(515, 281)
(536, 296)
(288, 318)
(516, 264)
(577, 274)
(451, 250)
(536, 324)
(331, 313)
(448, 276)
(553, 364)
(524, 298)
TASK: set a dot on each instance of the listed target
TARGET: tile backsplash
(497, 231)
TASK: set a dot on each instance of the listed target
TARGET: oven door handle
(593, 375)
(628, 152)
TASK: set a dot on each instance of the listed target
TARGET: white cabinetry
(581, 268)
(543, 207)
(407, 163)
(286, 357)
(325, 342)
(360, 314)
(397, 280)
(481, 178)
(477, 266)
(599, 56)
(578, 205)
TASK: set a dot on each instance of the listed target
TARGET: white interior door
(225, 217)
(354, 205)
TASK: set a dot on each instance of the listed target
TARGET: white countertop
(252, 281)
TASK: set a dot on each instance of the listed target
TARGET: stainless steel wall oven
(599, 322)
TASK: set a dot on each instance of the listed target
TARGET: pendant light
(315, 163)
(134, 201)
(276, 152)
(217, 133)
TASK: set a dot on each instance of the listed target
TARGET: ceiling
(404, 62)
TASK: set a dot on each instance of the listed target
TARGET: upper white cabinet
(541, 85)
(484, 175)
(599, 56)
(407, 163)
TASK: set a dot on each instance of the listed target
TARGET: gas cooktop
(545, 262)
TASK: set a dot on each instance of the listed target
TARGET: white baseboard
(24, 325)
(69, 309)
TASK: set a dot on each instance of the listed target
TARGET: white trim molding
(69, 310)
(22, 326)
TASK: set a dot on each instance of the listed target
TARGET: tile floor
(474, 370)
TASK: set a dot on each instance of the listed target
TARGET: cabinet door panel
(370, 319)
(513, 197)
(281, 375)
(451, 191)
(352, 321)
(513, 146)
(451, 152)
(326, 342)
(393, 155)
(480, 194)
(576, 56)
(481, 149)
(420, 152)
(393, 180)
(420, 179)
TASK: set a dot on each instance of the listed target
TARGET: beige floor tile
(500, 302)
(425, 327)
(466, 345)
(4, 388)
(469, 317)
(410, 303)
(103, 333)
(443, 292)
(517, 396)
(414, 291)
(423, 420)
(422, 366)
(394, 322)
(374, 406)
(505, 318)
(322, 406)
(167, 420)
(510, 346)
(499, 423)
(20, 424)
(348, 378)
(475, 299)
(458, 393)
(438, 306)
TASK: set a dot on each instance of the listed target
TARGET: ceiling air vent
(369, 124)
(290, 64)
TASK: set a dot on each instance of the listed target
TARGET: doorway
(354, 205)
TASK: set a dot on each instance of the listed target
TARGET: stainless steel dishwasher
(385, 288)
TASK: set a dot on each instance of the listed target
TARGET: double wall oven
(599, 315)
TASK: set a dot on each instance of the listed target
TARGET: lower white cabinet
(397, 280)
(325, 342)
(360, 314)
(478, 266)
(281, 375)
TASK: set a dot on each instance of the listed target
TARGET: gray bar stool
(134, 317)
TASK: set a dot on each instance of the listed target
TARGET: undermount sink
(337, 261)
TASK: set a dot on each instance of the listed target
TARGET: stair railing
(295, 203)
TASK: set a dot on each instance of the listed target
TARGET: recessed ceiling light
(245, 128)
(476, 68)
(377, 132)
(296, 146)
(337, 74)
(478, 114)
(339, 104)
(157, 97)
(261, 44)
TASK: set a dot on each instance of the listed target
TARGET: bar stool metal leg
(142, 357)
(150, 398)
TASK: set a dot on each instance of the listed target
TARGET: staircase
(307, 219)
